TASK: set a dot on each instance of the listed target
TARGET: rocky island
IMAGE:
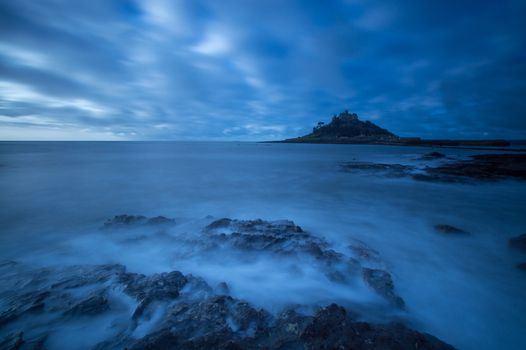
(347, 128)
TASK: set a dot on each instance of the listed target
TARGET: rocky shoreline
(174, 310)
(483, 167)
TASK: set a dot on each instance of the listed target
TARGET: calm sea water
(464, 290)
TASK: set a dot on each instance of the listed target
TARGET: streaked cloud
(255, 70)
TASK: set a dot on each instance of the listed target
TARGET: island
(347, 128)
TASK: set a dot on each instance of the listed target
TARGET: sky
(260, 70)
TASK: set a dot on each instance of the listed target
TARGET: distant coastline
(347, 128)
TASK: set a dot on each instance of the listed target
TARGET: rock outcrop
(174, 310)
(192, 318)
(483, 167)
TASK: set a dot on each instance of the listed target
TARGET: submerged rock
(518, 242)
(390, 170)
(450, 230)
(432, 156)
(382, 282)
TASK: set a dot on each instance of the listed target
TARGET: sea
(463, 289)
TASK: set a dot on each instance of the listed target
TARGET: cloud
(159, 69)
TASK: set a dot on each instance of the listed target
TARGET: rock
(147, 289)
(450, 230)
(382, 282)
(92, 305)
(178, 311)
(486, 167)
(134, 221)
(331, 328)
(483, 167)
(193, 319)
(285, 238)
(213, 324)
(13, 341)
(518, 242)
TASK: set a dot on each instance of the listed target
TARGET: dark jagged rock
(192, 320)
(131, 221)
(488, 167)
(518, 242)
(485, 167)
(92, 305)
(286, 238)
(226, 323)
(171, 310)
(13, 341)
(331, 328)
(450, 230)
(382, 282)
(147, 289)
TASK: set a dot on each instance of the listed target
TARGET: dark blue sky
(253, 70)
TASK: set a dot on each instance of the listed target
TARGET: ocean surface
(465, 290)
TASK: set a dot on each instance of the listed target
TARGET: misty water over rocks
(254, 230)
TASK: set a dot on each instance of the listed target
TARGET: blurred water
(464, 290)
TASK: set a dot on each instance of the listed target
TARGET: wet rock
(219, 322)
(284, 238)
(92, 305)
(134, 221)
(518, 242)
(331, 328)
(382, 282)
(484, 167)
(213, 324)
(193, 319)
(221, 223)
(450, 230)
(17, 305)
(286, 330)
(157, 287)
(363, 252)
(259, 226)
(432, 156)
(13, 341)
